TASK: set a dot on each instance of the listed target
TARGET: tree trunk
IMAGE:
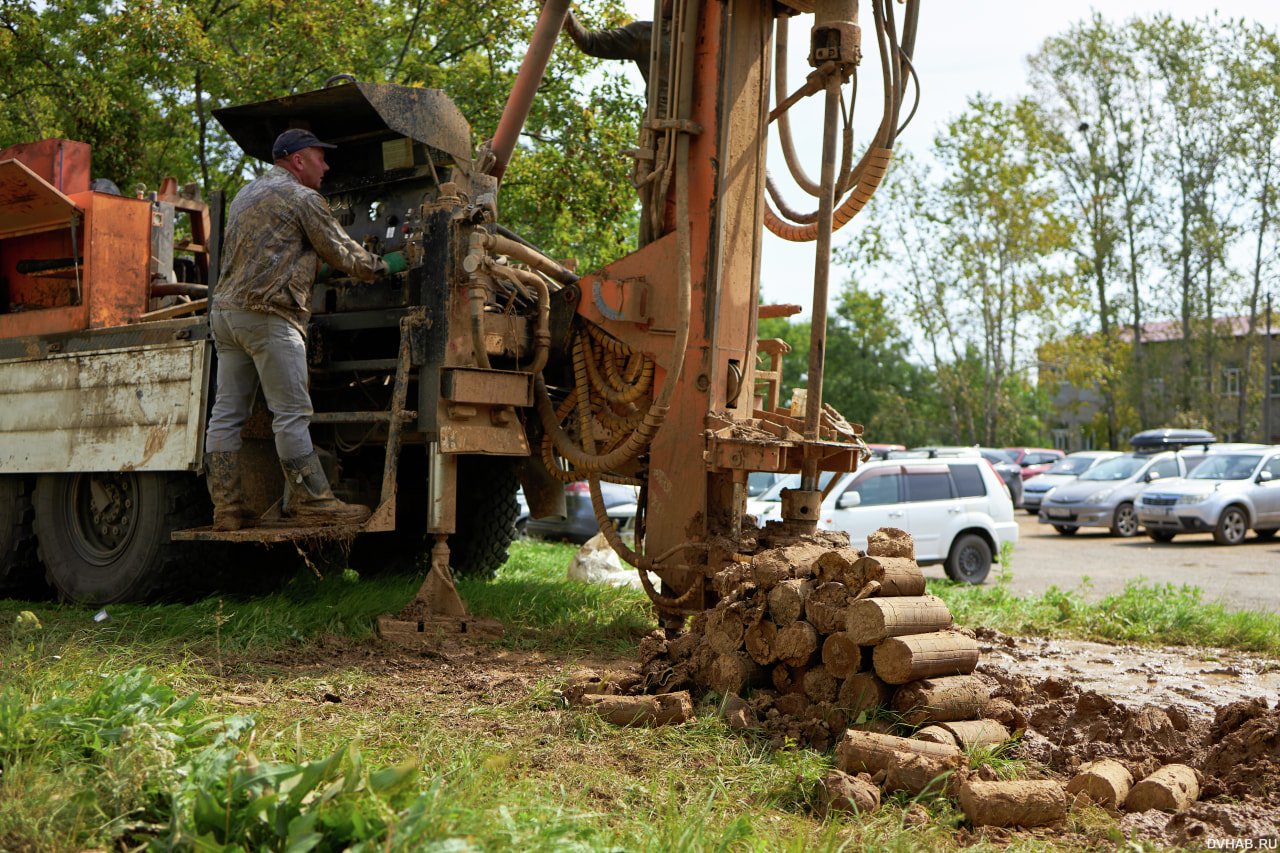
(1106, 782)
(891, 542)
(641, 710)
(732, 673)
(863, 752)
(820, 685)
(797, 644)
(973, 734)
(724, 630)
(896, 575)
(863, 691)
(786, 601)
(759, 640)
(1034, 803)
(1172, 788)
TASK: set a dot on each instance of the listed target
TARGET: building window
(1275, 380)
(1231, 382)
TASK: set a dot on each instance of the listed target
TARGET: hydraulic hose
(542, 331)
(869, 172)
(526, 255)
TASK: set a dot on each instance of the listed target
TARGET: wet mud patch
(1194, 679)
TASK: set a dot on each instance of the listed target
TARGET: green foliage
(139, 80)
(868, 377)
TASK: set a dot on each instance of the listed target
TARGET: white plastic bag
(596, 562)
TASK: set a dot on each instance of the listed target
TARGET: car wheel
(1031, 510)
(969, 560)
(1266, 534)
(1233, 524)
(1161, 535)
(1125, 521)
(1065, 530)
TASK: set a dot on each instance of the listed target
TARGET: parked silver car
(1103, 496)
(1064, 470)
(1227, 494)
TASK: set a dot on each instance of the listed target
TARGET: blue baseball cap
(295, 140)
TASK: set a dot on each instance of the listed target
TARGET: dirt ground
(1075, 702)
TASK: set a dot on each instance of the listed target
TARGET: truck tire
(487, 510)
(17, 536)
(1232, 526)
(104, 537)
(969, 560)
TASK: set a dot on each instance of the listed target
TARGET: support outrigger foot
(437, 611)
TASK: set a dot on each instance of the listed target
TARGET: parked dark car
(579, 523)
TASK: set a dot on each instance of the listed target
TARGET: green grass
(126, 733)
(1141, 613)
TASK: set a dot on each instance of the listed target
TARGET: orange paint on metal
(61, 163)
(107, 283)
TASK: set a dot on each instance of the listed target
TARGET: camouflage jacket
(278, 232)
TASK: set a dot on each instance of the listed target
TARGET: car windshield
(1073, 465)
(1120, 468)
(792, 481)
(1226, 466)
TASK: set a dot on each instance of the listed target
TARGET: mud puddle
(1193, 679)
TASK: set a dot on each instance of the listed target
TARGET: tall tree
(869, 378)
(1186, 57)
(981, 252)
(1253, 73)
(1097, 100)
(138, 80)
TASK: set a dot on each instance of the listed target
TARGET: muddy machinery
(485, 361)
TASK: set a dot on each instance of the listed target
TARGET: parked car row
(1175, 481)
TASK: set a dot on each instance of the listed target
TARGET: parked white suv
(957, 509)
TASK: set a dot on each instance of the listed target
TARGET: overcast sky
(961, 49)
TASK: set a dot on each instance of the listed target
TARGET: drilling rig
(485, 363)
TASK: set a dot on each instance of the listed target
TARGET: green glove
(395, 262)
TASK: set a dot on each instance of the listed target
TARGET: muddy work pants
(258, 348)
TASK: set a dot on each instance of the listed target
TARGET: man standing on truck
(279, 230)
